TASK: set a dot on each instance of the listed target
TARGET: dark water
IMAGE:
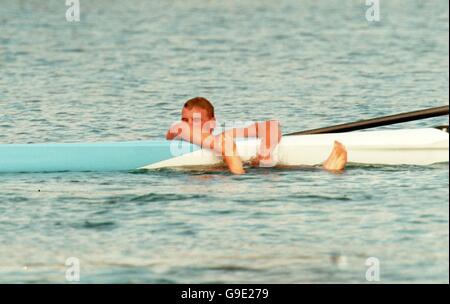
(123, 72)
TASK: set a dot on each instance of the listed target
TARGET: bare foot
(337, 159)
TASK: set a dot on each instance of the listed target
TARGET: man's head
(199, 112)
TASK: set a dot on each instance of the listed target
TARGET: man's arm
(221, 144)
(270, 134)
(230, 154)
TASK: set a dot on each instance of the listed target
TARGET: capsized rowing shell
(385, 147)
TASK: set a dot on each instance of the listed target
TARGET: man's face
(198, 120)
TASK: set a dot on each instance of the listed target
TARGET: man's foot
(337, 159)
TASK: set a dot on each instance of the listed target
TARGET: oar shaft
(378, 122)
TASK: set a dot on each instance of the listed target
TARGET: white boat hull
(385, 147)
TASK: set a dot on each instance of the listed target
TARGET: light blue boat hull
(99, 157)
(383, 147)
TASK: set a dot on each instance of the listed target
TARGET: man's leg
(337, 159)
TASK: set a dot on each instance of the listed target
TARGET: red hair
(202, 103)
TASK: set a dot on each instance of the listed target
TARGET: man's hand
(176, 130)
(230, 155)
(270, 134)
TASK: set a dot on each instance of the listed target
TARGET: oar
(378, 122)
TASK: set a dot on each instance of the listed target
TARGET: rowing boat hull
(386, 147)
(79, 157)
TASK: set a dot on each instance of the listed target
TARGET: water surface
(123, 72)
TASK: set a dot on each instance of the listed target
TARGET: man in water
(197, 126)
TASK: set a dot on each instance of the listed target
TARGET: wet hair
(202, 103)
